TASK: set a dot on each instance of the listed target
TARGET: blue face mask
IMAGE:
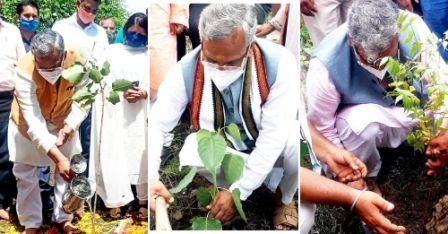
(29, 25)
(136, 39)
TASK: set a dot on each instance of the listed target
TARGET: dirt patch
(404, 182)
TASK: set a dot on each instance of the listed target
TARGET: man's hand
(63, 135)
(176, 29)
(346, 166)
(437, 153)
(157, 188)
(308, 7)
(264, 30)
(407, 4)
(63, 167)
(369, 208)
(223, 207)
(135, 94)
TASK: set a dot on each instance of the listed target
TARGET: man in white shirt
(43, 127)
(81, 30)
(268, 138)
(11, 51)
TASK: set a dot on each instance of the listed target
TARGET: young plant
(429, 109)
(212, 151)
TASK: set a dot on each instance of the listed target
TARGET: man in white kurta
(43, 127)
(276, 119)
(363, 127)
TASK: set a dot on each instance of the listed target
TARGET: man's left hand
(347, 166)
(63, 135)
(176, 29)
(135, 94)
(223, 207)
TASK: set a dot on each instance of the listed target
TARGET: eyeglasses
(90, 10)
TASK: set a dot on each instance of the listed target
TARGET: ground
(404, 182)
(102, 225)
(259, 207)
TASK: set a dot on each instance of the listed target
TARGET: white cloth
(307, 212)
(277, 116)
(123, 159)
(29, 203)
(12, 50)
(93, 38)
(292, 37)
(42, 133)
(288, 161)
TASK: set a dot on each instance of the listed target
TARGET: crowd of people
(42, 127)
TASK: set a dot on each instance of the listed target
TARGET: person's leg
(84, 134)
(142, 197)
(59, 216)
(290, 156)
(8, 188)
(306, 217)
(435, 15)
(326, 19)
(29, 205)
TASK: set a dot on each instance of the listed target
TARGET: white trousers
(330, 14)
(29, 203)
(307, 212)
(285, 173)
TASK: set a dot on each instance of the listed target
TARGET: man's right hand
(308, 7)
(369, 208)
(63, 167)
(157, 188)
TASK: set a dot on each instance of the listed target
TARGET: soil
(403, 181)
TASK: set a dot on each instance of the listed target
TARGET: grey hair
(372, 24)
(45, 42)
(218, 21)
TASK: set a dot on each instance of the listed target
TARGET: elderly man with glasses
(43, 127)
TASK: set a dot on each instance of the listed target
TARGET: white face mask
(51, 76)
(378, 73)
(223, 76)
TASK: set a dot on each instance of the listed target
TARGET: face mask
(51, 76)
(29, 25)
(378, 73)
(110, 36)
(85, 16)
(136, 39)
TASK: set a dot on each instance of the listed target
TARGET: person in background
(167, 21)
(27, 15)
(108, 24)
(323, 16)
(435, 15)
(122, 159)
(11, 51)
(81, 30)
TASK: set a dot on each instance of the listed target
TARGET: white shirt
(11, 51)
(278, 115)
(93, 37)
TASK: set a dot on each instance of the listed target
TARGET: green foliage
(54, 10)
(121, 85)
(430, 114)
(205, 223)
(212, 151)
(185, 181)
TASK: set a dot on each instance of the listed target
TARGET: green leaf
(234, 131)
(205, 223)
(121, 85)
(113, 97)
(185, 181)
(105, 70)
(239, 207)
(211, 148)
(82, 94)
(232, 167)
(204, 196)
(74, 73)
(95, 76)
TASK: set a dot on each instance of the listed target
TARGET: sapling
(429, 109)
(212, 152)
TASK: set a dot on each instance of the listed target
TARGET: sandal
(141, 211)
(115, 213)
(285, 215)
